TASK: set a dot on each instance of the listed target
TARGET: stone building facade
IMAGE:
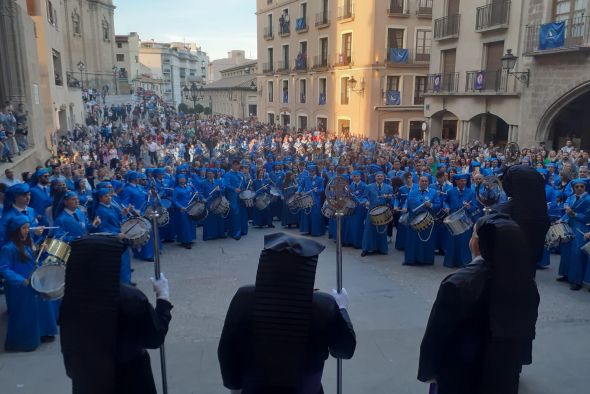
(127, 61)
(234, 58)
(348, 67)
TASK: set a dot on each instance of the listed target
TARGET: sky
(217, 26)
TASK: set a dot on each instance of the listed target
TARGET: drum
(137, 231)
(163, 215)
(59, 249)
(586, 248)
(292, 203)
(304, 201)
(441, 215)
(49, 281)
(559, 232)
(458, 222)
(247, 197)
(404, 219)
(262, 201)
(328, 211)
(275, 193)
(219, 206)
(350, 207)
(422, 221)
(381, 215)
(197, 211)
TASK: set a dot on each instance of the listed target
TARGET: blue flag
(392, 97)
(322, 98)
(552, 35)
(398, 55)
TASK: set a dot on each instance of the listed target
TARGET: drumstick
(580, 231)
(44, 228)
(418, 207)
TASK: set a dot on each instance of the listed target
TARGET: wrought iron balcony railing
(494, 15)
(447, 27)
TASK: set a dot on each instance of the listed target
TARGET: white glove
(161, 287)
(341, 298)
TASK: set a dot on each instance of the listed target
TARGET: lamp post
(352, 84)
(82, 68)
(508, 64)
(115, 71)
(194, 93)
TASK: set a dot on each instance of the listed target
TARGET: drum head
(135, 228)
(379, 210)
(420, 217)
(49, 280)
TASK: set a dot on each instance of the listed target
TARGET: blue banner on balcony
(480, 80)
(322, 98)
(392, 97)
(300, 24)
(552, 35)
(398, 55)
(285, 97)
(436, 82)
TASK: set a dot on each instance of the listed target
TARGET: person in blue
(245, 212)
(276, 178)
(71, 220)
(261, 186)
(420, 245)
(110, 222)
(211, 189)
(135, 195)
(312, 222)
(374, 237)
(399, 204)
(572, 266)
(460, 197)
(163, 187)
(289, 189)
(16, 203)
(31, 320)
(441, 235)
(550, 197)
(234, 183)
(186, 231)
(353, 233)
(41, 194)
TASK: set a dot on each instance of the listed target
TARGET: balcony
(320, 63)
(267, 68)
(72, 81)
(442, 83)
(447, 27)
(576, 37)
(346, 12)
(403, 57)
(301, 25)
(495, 15)
(486, 80)
(398, 8)
(268, 34)
(424, 9)
(282, 67)
(343, 59)
(322, 20)
(300, 63)
(285, 29)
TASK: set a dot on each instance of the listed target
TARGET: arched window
(76, 26)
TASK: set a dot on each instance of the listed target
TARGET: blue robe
(457, 252)
(573, 260)
(167, 232)
(441, 234)
(136, 196)
(40, 201)
(312, 222)
(29, 316)
(264, 217)
(289, 217)
(550, 197)
(233, 180)
(276, 206)
(420, 247)
(375, 239)
(355, 224)
(401, 229)
(213, 226)
(71, 227)
(111, 223)
(186, 229)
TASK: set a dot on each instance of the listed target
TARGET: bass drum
(381, 215)
(262, 201)
(137, 231)
(197, 211)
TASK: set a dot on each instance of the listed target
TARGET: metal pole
(154, 218)
(339, 288)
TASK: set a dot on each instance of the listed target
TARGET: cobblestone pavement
(390, 304)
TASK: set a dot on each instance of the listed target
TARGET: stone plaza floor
(390, 304)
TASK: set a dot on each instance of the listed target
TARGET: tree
(199, 109)
(182, 107)
(208, 111)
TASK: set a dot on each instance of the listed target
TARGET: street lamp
(82, 68)
(194, 93)
(115, 71)
(508, 64)
(352, 84)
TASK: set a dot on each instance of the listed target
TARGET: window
(57, 70)
(271, 91)
(136, 59)
(76, 27)
(395, 38)
(322, 123)
(346, 55)
(285, 64)
(324, 51)
(344, 91)
(392, 82)
(302, 90)
(419, 89)
(302, 121)
(271, 118)
(423, 45)
(119, 45)
(344, 127)
(392, 95)
(568, 9)
(120, 57)
(323, 84)
(449, 129)
(391, 128)
(416, 132)
(106, 30)
(285, 91)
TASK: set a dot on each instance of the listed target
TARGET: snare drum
(137, 231)
(328, 211)
(586, 248)
(559, 232)
(458, 222)
(49, 281)
(275, 193)
(219, 206)
(304, 201)
(58, 249)
(163, 215)
(247, 197)
(381, 215)
(262, 201)
(292, 203)
(422, 221)
(197, 211)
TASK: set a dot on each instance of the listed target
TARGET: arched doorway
(488, 128)
(572, 123)
(444, 125)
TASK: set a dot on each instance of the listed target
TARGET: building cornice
(274, 7)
